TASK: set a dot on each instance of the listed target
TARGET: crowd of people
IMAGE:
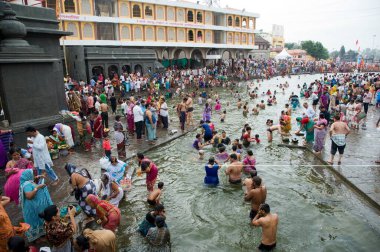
(334, 105)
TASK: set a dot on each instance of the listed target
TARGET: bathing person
(256, 195)
(338, 133)
(268, 222)
(234, 170)
(154, 197)
(212, 168)
(248, 182)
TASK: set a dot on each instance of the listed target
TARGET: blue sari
(31, 208)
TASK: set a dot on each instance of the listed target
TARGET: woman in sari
(130, 118)
(350, 113)
(320, 131)
(59, 232)
(7, 230)
(13, 171)
(159, 236)
(116, 169)
(207, 113)
(98, 127)
(83, 185)
(110, 190)
(33, 200)
(108, 214)
(97, 240)
(249, 162)
(308, 125)
(119, 137)
(87, 134)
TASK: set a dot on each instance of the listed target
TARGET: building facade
(122, 35)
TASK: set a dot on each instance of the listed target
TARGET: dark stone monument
(31, 71)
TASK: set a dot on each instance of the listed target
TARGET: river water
(317, 212)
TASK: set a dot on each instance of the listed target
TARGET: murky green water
(317, 213)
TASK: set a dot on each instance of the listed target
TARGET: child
(257, 139)
(154, 196)
(201, 154)
(107, 145)
(245, 111)
(223, 116)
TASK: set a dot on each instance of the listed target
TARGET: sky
(332, 22)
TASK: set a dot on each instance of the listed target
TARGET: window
(208, 18)
(190, 35)
(170, 14)
(190, 16)
(251, 23)
(161, 34)
(149, 34)
(105, 8)
(237, 39)
(208, 36)
(71, 27)
(181, 34)
(199, 36)
(199, 17)
(148, 11)
(136, 11)
(88, 31)
(125, 33)
(237, 21)
(137, 33)
(69, 6)
(180, 15)
(160, 13)
(171, 34)
(229, 38)
(124, 9)
(105, 31)
(229, 21)
(244, 23)
(244, 39)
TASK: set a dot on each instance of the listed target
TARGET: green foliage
(315, 49)
(334, 54)
(291, 46)
(342, 51)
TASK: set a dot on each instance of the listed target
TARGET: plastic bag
(104, 162)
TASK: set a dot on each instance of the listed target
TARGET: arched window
(237, 21)
(229, 21)
(190, 35)
(229, 38)
(148, 11)
(251, 23)
(199, 36)
(88, 31)
(237, 39)
(149, 34)
(71, 27)
(171, 34)
(85, 7)
(125, 33)
(199, 17)
(136, 10)
(244, 23)
(124, 9)
(137, 34)
(190, 16)
(69, 6)
(244, 39)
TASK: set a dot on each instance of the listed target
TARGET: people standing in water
(338, 133)
(257, 195)
(212, 168)
(234, 170)
(268, 223)
(155, 196)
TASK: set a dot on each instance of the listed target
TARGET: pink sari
(12, 186)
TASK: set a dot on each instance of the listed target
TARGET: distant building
(115, 36)
(278, 40)
(262, 49)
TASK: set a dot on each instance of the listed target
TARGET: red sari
(98, 133)
(106, 209)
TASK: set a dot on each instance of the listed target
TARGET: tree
(351, 56)
(292, 46)
(342, 52)
(315, 49)
(334, 54)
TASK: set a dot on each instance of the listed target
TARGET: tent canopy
(283, 55)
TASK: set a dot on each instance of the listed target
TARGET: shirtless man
(234, 170)
(268, 222)
(338, 133)
(181, 110)
(189, 109)
(257, 196)
(239, 104)
(104, 114)
(248, 182)
(262, 105)
(154, 196)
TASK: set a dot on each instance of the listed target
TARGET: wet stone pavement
(60, 193)
(361, 152)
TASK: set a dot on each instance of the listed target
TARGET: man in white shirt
(138, 117)
(367, 98)
(41, 155)
(309, 111)
(164, 114)
(124, 107)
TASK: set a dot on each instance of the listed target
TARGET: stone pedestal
(31, 84)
